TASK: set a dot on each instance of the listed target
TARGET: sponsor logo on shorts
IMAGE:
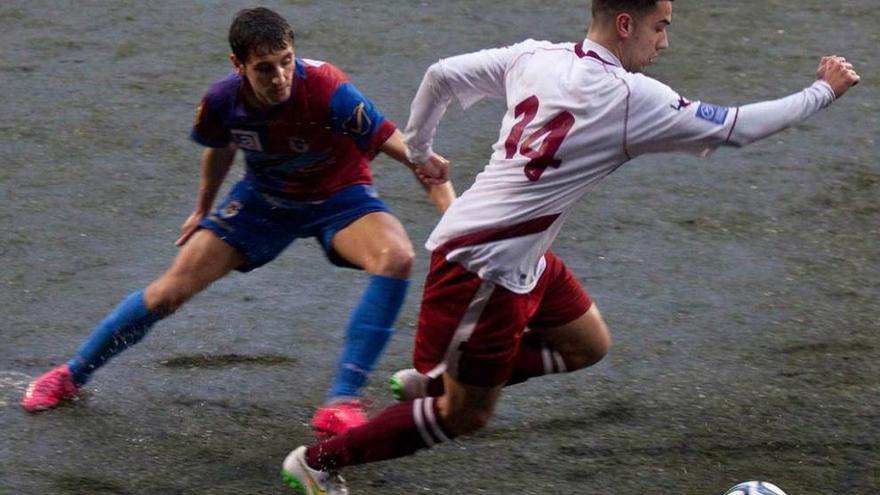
(247, 140)
(220, 223)
(231, 209)
(712, 113)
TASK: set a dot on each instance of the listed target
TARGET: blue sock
(369, 330)
(125, 326)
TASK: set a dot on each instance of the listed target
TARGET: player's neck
(251, 100)
(609, 41)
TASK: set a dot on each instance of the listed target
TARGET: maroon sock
(535, 358)
(397, 431)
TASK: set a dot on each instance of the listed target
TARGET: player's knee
(394, 261)
(599, 347)
(164, 299)
(591, 350)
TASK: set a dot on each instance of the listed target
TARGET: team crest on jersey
(247, 140)
(298, 145)
(712, 113)
(682, 103)
(231, 209)
(359, 122)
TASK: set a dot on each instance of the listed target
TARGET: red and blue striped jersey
(318, 142)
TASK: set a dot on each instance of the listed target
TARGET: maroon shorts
(472, 328)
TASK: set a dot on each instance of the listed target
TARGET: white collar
(599, 52)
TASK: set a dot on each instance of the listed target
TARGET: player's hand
(189, 227)
(433, 172)
(838, 73)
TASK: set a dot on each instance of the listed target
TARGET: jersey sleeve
(474, 76)
(661, 120)
(208, 129)
(759, 120)
(468, 78)
(354, 115)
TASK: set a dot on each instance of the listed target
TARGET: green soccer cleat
(307, 481)
(408, 384)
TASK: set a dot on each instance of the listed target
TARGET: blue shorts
(261, 226)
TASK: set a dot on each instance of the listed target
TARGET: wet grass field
(743, 291)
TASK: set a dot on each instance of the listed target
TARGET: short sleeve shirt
(307, 148)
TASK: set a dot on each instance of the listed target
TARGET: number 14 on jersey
(553, 132)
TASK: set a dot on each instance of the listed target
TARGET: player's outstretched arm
(215, 165)
(437, 185)
(759, 120)
(700, 127)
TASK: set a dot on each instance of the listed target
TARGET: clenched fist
(837, 72)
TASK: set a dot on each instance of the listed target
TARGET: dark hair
(258, 30)
(610, 8)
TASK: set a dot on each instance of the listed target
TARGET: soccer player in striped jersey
(307, 134)
(499, 307)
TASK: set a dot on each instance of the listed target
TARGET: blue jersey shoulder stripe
(300, 68)
(352, 114)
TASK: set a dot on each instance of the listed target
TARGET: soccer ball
(754, 488)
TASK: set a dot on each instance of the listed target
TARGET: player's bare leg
(378, 243)
(466, 408)
(202, 260)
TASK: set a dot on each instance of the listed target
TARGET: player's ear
(624, 24)
(238, 64)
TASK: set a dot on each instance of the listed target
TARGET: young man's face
(648, 37)
(270, 75)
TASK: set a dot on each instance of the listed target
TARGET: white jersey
(574, 115)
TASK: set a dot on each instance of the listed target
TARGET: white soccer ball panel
(755, 488)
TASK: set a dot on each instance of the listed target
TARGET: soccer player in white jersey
(498, 306)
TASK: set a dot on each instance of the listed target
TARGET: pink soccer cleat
(336, 418)
(49, 390)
